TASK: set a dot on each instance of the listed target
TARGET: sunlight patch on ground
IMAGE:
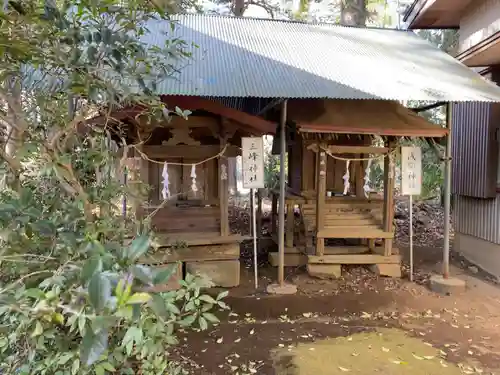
(386, 351)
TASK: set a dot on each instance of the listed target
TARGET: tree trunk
(353, 12)
(239, 8)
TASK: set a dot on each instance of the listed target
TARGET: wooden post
(223, 193)
(290, 219)
(389, 162)
(274, 212)
(259, 215)
(360, 177)
(320, 201)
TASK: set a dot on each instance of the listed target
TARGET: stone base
(389, 270)
(451, 285)
(281, 289)
(224, 273)
(172, 283)
(324, 271)
(291, 260)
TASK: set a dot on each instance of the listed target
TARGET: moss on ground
(386, 351)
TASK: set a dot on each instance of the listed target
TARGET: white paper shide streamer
(193, 179)
(366, 186)
(347, 184)
(165, 191)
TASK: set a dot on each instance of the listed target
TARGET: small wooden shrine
(185, 164)
(340, 219)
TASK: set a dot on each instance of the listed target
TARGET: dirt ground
(302, 334)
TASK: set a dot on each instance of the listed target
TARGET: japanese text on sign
(253, 162)
(411, 170)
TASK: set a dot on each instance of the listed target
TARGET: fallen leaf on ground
(219, 340)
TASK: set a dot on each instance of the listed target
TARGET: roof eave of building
(416, 11)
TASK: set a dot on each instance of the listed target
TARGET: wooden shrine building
(183, 162)
(328, 182)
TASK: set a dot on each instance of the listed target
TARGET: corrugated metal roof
(246, 57)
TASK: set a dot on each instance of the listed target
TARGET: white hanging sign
(411, 170)
(252, 162)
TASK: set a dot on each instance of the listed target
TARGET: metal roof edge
(273, 20)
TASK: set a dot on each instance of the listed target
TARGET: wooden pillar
(274, 212)
(290, 221)
(320, 200)
(389, 166)
(360, 177)
(138, 179)
(259, 215)
(223, 194)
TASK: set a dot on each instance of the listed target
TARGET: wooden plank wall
(187, 219)
(334, 172)
(180, 181)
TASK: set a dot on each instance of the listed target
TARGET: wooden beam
(223, 192)
(397, 132)
(350, 149)
(320, 200)
(354, 259)
(357, 150)
(194, 253)
(193, 152)
(353, 232)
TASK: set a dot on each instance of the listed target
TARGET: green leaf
(65, 358)
(222, 295)
(133, 335)
(75, 367)
(207, 298)
(108, 366)
(34, 293)
(211, 317)
(99, 370)
(103, 323)
(99, 291)
(164, 274)
(92, 266)
(38, 330)
(93, 346)
(203, 323)
(173, 308)
(142, 273)
(158, 305)
(188, 320)
(138, 247)
(139, 298)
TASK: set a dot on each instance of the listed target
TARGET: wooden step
(354, 232)
(354, 259)
(343, 205)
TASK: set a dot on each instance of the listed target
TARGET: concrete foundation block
(389, 270)
(224, 273)
(451, 285)
(324, 271)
